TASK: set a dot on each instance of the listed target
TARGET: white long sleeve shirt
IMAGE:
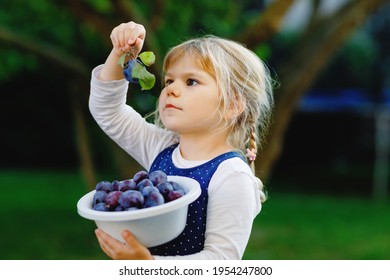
(234, 199)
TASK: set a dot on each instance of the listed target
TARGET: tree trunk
(300, 72)
(81, 135)
(266, 25)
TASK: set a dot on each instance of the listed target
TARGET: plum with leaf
(135, 69)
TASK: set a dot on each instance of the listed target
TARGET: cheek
(160, 104)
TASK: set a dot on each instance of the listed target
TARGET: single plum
(155, 198)
(115, 185)
(128, 71)
(165, 188)
(157, 177)
(98, 197)
(119, 208)
(140, 175)
(112, 199)
(104, 186)
(127, 185)
(147, 190)
(173, 195)
(100, 207)
(144, 183)
(131, 198)
(176, 186)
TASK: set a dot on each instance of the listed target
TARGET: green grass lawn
(305, 227)
(39, 220)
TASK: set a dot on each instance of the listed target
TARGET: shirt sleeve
(140, 139)
(234, 202)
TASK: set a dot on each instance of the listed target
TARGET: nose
(172, 89)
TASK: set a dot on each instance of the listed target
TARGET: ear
(235, 110)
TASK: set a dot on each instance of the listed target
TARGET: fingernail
(125, 233)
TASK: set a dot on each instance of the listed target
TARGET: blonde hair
(244, 84)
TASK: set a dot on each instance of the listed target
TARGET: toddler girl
(213, 109)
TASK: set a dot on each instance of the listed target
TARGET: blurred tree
(72, 36)
(311, 53)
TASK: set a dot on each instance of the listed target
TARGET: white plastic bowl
(151, 226)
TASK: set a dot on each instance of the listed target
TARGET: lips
(168, 106)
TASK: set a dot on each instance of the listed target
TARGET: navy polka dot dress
(191, 240)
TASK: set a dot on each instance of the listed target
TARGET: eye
(168, 82)
(192, 82)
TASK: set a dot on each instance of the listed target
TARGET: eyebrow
(187, 74)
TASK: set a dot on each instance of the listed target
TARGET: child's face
(188, 103)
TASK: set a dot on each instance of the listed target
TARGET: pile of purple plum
(142, 191)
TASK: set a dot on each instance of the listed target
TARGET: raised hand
(128, 38)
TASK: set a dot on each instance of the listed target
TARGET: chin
(172, 128)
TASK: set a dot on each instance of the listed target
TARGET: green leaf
(137, 70)
(147, 58)
(146, 79)
(121, 60)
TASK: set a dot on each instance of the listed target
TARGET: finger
(128, 35)
(114, 39)
(118, 35)
(136, 38)
(108, 239)
(109, 244)
(137, 32)
(106, 249)
(125, 34)
(129, 238)
(137, 250)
